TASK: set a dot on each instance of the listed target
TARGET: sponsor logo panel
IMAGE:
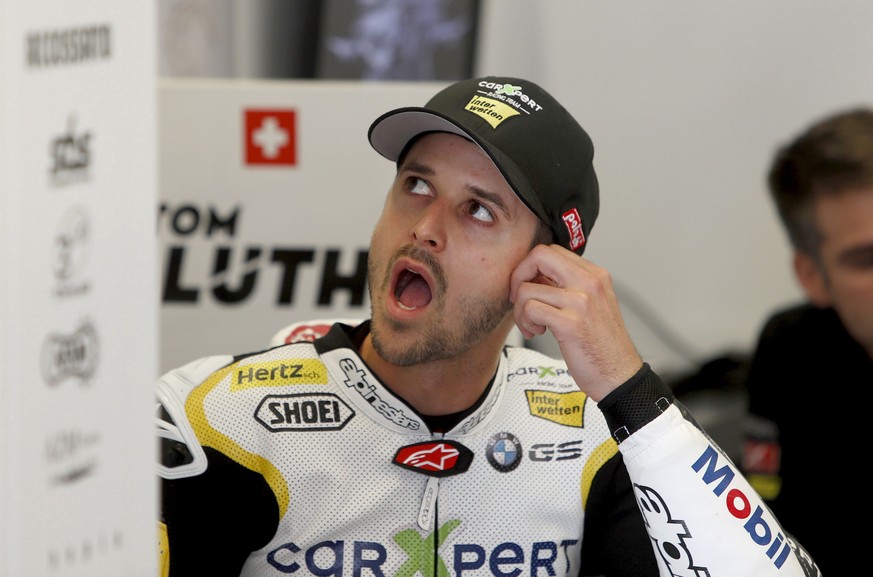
(669, 534)
(71, 455)
(547, 452)
(277, 373)
(72, 355)
(562, 408)
(356, 379)
(492, 111)
(512, 95)
(303, 412)
(759, 524)
(71, 251)
(70, 155)
(558, 377)
(68, 46)
(504, 452)
(543, 557)
(573, 222)
(435, 458)
(83, 550)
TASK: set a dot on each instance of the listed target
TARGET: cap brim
(390, 133)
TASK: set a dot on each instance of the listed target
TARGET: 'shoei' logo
(303, 412)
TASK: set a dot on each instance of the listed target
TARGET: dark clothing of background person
(804, 351)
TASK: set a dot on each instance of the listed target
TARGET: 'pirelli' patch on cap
(277, 373)
(562, 408)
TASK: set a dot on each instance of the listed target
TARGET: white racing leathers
(298, 461)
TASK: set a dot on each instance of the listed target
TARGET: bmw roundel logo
(504, 452)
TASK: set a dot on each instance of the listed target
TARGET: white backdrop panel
(78, 302)
(324, 202)
(686, 102)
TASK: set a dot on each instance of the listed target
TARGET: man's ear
(812, 279)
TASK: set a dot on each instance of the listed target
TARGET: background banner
(269, 191)
(78, 299)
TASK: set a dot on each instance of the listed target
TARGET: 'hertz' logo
(287, 372)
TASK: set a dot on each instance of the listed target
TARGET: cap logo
(492, 111)
(511, 95)
(573, 222)
(508, 89)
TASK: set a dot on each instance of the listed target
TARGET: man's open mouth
(411, 290)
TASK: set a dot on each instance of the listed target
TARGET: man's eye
(418, 186)
(479, 212)
(859, 258)
(862, 261)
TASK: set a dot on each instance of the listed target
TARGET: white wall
(78, 299)
(686, 102)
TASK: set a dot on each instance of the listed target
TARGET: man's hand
(556, 289)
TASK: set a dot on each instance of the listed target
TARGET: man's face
(846, 278)
(450, 234)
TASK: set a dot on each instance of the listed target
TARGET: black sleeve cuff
(635, 403)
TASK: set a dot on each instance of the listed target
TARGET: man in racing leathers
(419, 442)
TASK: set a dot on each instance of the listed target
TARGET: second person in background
(814, 359)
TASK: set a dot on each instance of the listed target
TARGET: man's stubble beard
(446, 338)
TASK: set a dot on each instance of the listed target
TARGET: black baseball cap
(541, 150)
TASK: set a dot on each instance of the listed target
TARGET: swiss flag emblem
(271, 137)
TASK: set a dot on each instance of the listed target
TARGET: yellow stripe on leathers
(209, 437)
(163, 551)
(599, 456)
